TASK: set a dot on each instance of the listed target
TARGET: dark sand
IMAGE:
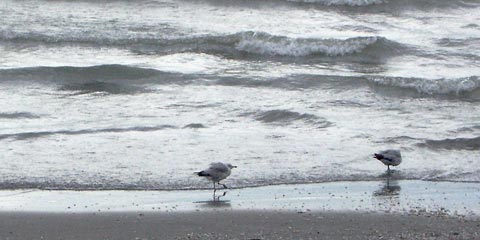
(234, 225)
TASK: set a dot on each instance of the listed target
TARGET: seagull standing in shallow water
(217, 172)
(390, 157)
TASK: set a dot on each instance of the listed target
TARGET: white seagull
(390, 157)
(217, 172)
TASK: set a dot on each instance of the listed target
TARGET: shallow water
(140, 94)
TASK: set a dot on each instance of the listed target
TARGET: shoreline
(379, 179)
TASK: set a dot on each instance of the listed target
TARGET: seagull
(390, 157)
(217, 172)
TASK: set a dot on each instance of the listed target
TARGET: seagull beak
(234, 166)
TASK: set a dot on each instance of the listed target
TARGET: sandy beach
(234, 225)
(337, 210)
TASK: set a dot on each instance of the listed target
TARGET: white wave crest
(342, 2)
(433, 86)
(264, 44)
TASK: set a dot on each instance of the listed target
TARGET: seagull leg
(214, 190)
(224, 186)
(223, 195)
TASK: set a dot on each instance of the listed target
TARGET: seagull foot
(217, 198)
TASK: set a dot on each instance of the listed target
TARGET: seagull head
(377, 156)
(231, 166)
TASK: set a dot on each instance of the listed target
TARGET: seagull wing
(391, 154)
(218, 167)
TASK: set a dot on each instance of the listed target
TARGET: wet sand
(339, 210)
(405, 196)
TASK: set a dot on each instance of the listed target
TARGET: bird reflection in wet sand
(215, 204)
(388, 195)
(388, 188)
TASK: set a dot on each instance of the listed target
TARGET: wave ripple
(287, 117)
(471, 144)
(29, 135)
(352, 3)
(16, 115)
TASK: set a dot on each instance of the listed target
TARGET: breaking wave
(266, 44)
(457, 86)
(238, 44)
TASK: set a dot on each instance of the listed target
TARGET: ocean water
(126, 94)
